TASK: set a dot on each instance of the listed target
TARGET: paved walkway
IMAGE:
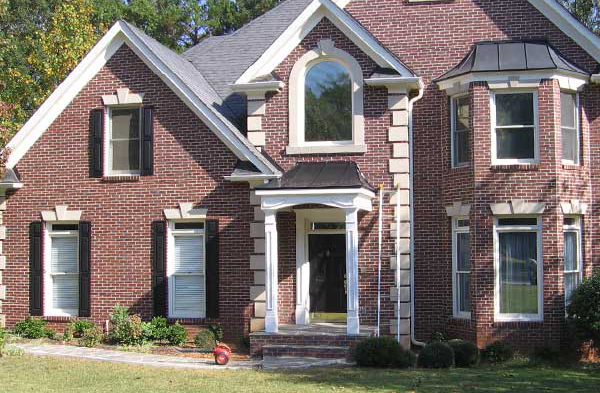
(171, 361)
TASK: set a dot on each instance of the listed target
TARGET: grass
(44, 374)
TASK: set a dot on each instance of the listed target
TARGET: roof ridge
(258, 18)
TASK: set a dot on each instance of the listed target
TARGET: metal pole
(379, 260)
(398, 267)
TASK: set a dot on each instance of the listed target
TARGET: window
(517, 244)
(572, 254)
(461, 109)
(62, 270)
(124, 141)
(461, 262)
(328, 103)
(570, 128)
(186, 271)
(515, 127)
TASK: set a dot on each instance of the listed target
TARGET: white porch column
(353, 323)
(271, 278)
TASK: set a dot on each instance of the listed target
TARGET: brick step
(309, 351)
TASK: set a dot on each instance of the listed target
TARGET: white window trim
(577, 131)
(297, 144)
(49, 234)
(456, 230)
(171, 234)
(577, 229)
(453, 100)
(519, 317)
(108, 171)
(536, 128)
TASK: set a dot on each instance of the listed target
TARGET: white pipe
(379, 261)
(398, 267)
(411, 103)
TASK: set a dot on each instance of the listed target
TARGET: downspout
(411, 103)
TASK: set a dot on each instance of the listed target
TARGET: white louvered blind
(64, 267)
(188, 277)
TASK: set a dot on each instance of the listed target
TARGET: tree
(586, 11)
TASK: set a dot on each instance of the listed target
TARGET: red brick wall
(190, 162)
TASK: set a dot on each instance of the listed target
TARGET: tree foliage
(586, 11)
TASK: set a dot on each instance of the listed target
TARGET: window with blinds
(64, 272)
(188, 288)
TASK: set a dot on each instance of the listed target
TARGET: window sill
(120, 178)
(572, 167)
(61, 318)
(461, 167)
(515, 168)
(326, 149)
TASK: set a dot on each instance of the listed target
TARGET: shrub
(51, 334)
(176, 334)
(69, 332)
(382, 352)
(547, 354)
(498, 352)
(91, 336)
(79, 327)
(584, 309)
(437, 337)
(436, 355)
(466, 354)
(159, 328)
(205, 340)
(34, 328)
(126, 329)
(217, 330)
(2, 340)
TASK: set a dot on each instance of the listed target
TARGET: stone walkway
(171, 361)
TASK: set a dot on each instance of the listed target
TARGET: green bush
(91, 336)
(34, 328)
(126, 329)
(437, 337)
(382, 352)
(79, 327)
(547, 354)
(176, 334)
(217, 330)
(436, 355)
(205, 340)
(159, 328)
(69, 332)
(498, 352)
(466, 354)
(584, 309)
(2, 340)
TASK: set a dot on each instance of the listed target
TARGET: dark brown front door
(327, 255)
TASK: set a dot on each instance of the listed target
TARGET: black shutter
(212, 269)
(148, 143)
(96, 149)
(85, 253)
(159, 239)
(35, 269)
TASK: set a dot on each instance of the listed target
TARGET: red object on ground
(222, 354)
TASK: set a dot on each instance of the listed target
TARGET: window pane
(462, 223)
(463, 250)
(126, 155)
(125, 123)
(569, 145)
(571, 282)
(518, 273)
(64, 255)
(461, 147)
(514, 109)
(189, 254)
(189, 225)
(571, 251)
(65, 292)
(464, 292)
(461, 114)
(189, 295)
(567, 105)
(328, 103)
(517, 221)
(515, 143)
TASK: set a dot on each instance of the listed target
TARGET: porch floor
(316, 329)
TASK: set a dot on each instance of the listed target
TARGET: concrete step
(307, 351)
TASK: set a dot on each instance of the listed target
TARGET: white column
(302, 273)
(271, 279)
(353, 323)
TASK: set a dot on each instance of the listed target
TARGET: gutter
(411, 103)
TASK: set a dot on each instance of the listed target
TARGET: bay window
(461, 263)
(569, 126)
(518, 262)
(573, 255)
(515, 138)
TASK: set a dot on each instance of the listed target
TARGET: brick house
(240, 182)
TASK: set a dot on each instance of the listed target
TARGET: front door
(327, 256)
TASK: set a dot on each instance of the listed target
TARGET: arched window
(328, 103)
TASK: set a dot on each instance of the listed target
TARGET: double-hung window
(461, 130)
(62, 270)
(569, 128)
(518, 261)
(124, 141)
(461, 262)
(186, 270)
(572, 255)
(515, 129)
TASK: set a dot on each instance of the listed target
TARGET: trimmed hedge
(436, 355)
(466, 354)
(382, 352)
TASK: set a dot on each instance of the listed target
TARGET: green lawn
(42, 374)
